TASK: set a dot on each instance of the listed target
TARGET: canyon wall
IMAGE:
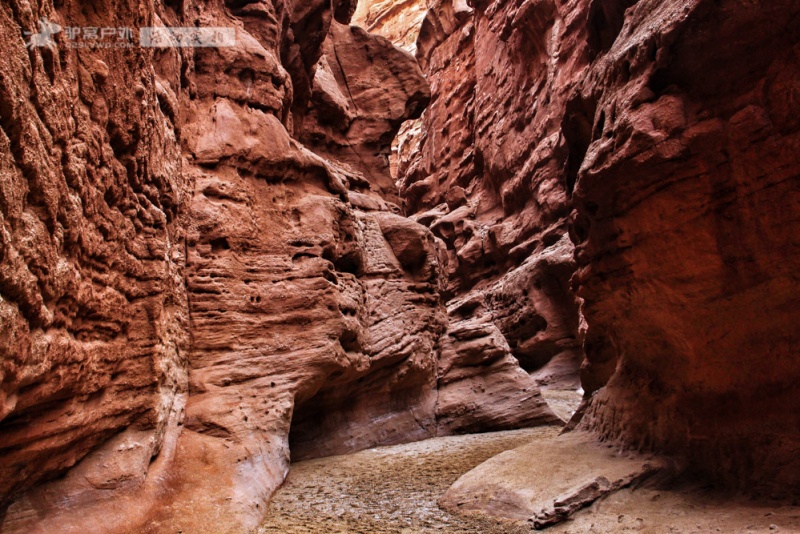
(93, 334)
(661, 136)
(483, 170)
(211, 261)
(686, 236)
(204, 270)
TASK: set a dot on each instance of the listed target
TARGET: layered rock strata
(483, 170)
(661, 136)
(685, 227)
(204, 271)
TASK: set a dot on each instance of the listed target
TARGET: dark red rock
(668, 129)
(685, 229)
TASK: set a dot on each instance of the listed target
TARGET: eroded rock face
(94, 316)
(364, 88)
(686, 216)
(667, 129)
(205, 272)
(484, 171)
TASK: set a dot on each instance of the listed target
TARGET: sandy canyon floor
(395, 490)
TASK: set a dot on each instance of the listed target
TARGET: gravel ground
(391, 489)
(395, 489)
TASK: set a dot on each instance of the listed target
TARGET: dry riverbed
(390, 489)
(395, 490)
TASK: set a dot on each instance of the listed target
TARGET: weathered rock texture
(484, 173)
(669, 130)
(203, 266)
(686, 230)
(93, 308)
(398, 21)
(502, 311)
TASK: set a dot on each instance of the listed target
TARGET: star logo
(44, 38)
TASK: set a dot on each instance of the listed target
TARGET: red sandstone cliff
(203, 266)
(94, 327)
(206, 266)
(687, 206)
(484, 173)
(668, 130)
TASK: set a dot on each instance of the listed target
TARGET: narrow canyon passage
(350, 265)
(396, 490)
